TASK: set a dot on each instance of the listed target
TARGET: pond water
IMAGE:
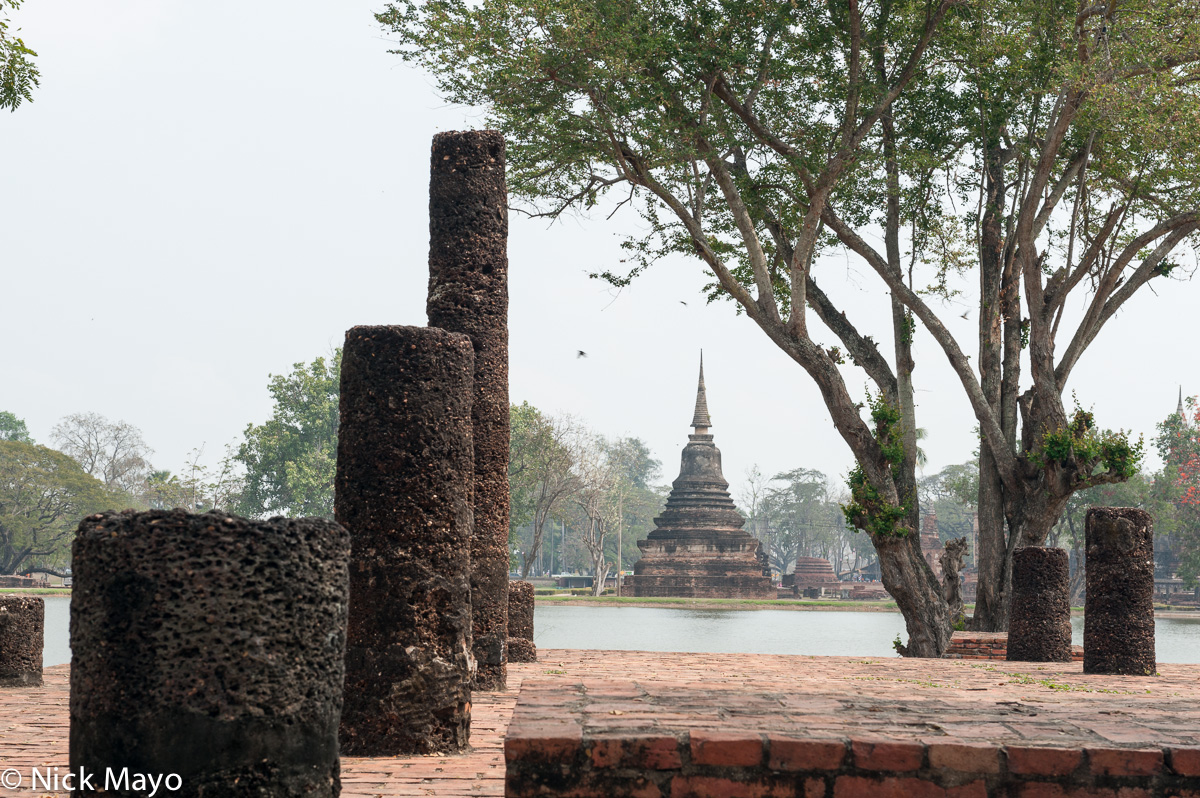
(849, 634)
(830, 633)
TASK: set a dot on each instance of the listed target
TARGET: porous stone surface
(520, 623)
(211, 647)
(1118, 624)
(698, 548)
(520, 610)
(521, 649)
(468, 293)
(403, 490)
(22, 632)
(1039, 626)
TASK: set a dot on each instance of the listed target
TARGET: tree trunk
(991, 551)
(991, 601)
(539, 528)
(910, 581)
(951, 561)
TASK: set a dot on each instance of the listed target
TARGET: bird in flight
(581, 353)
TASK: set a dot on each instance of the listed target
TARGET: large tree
(1178, 485)
(291, 459)
(43, 494)
(13, 428)
(1046, 146)
(543, 451)
(111, 451)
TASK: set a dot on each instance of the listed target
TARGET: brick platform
(877, 729)
(1128, 722)
(988, 645)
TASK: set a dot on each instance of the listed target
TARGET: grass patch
(1058, 687)
(37, 591)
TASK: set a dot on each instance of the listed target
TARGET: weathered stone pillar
(1039, 626)
(1118, 624)
(468, 293)
(209, 647)
(22, 632)
(403, 489)
(520, 623)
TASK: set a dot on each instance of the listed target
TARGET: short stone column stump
(1039, 626)
(403, 489)
(1118, 623)
(22, 625)
(207, 652)
(520, 623)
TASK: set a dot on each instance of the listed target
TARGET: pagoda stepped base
(734, 587)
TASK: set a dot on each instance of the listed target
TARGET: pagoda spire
(1178, 409)
(700, 419)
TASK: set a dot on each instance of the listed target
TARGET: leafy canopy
(43, 495)
(13, 428)
(291, 459)
(18, 73)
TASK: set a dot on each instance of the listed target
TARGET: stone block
(521, 650)
(210, 647)
(1118, 625)
(22, 633)
(1039, 628)
(403, 490)
(468, 293)
(520, 610)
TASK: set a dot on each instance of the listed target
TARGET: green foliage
(1093, 451)
(909, 327)
(870, 511)
(1178, 512)
(43, 495)
(868, 508)
(13, 428)
(291, 459)
(18, 74)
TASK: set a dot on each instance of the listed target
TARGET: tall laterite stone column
(468, 293)
(403, 490)
(1118, 613)
(1039, 626)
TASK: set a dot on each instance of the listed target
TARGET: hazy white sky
(204, 194)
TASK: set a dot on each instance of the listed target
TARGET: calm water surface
(849, 634)
(843, 634)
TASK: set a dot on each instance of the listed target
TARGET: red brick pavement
(1025, 705)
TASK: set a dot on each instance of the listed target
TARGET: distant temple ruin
(698, 548)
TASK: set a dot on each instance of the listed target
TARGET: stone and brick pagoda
(698, 548)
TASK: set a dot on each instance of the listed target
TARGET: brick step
(988, 645)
